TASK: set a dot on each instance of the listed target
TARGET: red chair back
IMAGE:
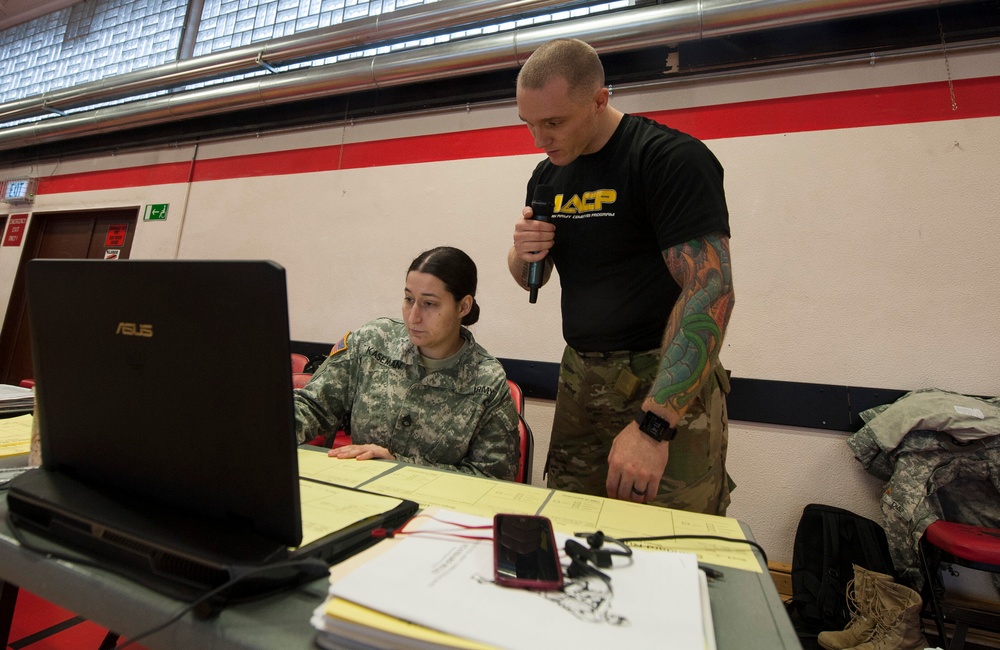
(527, 440)
(299, 362)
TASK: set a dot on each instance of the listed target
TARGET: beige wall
(862, 256)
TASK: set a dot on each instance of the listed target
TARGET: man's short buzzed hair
(569, 58)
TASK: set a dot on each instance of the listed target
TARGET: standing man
(640, 237)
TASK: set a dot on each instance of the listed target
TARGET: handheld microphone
(542, 203)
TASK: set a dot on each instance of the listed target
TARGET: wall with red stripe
(908, 104)
(863, 198)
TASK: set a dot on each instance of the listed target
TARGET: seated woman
(420, 390)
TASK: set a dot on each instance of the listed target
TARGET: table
(747, 610)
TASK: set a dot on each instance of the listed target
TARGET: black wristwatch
(654, 426)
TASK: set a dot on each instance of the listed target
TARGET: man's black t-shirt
(648, 189)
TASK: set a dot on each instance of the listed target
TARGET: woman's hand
(361, 452)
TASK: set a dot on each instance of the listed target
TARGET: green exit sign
(155, 212)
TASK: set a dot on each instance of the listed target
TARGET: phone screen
(525, 553)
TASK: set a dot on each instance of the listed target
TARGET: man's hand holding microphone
(534, 235)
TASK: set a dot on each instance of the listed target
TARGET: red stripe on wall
(973, 98)
(930, 102)
(115, 178)
(481, 143)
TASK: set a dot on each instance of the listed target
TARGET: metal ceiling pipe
(349, 36)
(189, 32)
(672, 23)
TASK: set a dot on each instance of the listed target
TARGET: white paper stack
(16, 399)
(436, 591)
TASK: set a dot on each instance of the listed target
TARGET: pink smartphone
(525, 553)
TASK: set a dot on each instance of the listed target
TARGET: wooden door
(99, 234)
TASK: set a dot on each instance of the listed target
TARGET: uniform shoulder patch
(340, 345)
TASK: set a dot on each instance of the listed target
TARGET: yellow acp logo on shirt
(587, 202)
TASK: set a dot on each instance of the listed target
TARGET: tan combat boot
(860, 601)
(897, 619)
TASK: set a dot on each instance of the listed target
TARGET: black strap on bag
(829, 541)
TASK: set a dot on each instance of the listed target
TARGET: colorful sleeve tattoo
(698, 321)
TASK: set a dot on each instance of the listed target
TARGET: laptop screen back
(170, 380)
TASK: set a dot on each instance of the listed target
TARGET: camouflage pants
(590, 412)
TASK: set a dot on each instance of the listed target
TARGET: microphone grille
(544, 193)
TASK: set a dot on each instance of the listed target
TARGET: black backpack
(828, 542)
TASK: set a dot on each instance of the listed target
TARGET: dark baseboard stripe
(796, 404)
(813, 406)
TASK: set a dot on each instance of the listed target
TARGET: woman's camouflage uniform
(459, 417)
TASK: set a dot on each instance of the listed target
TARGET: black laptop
(164, 401)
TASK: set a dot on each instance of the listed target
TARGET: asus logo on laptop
(131, 329)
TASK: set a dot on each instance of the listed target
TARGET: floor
(40, 625)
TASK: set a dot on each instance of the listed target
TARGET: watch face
(656, 427)
(651, 424)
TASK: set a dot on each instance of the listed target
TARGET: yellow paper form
(327, 509)
(349, 472)
(468, 494)
(15, 435)
(580, 513)
(572, 513)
